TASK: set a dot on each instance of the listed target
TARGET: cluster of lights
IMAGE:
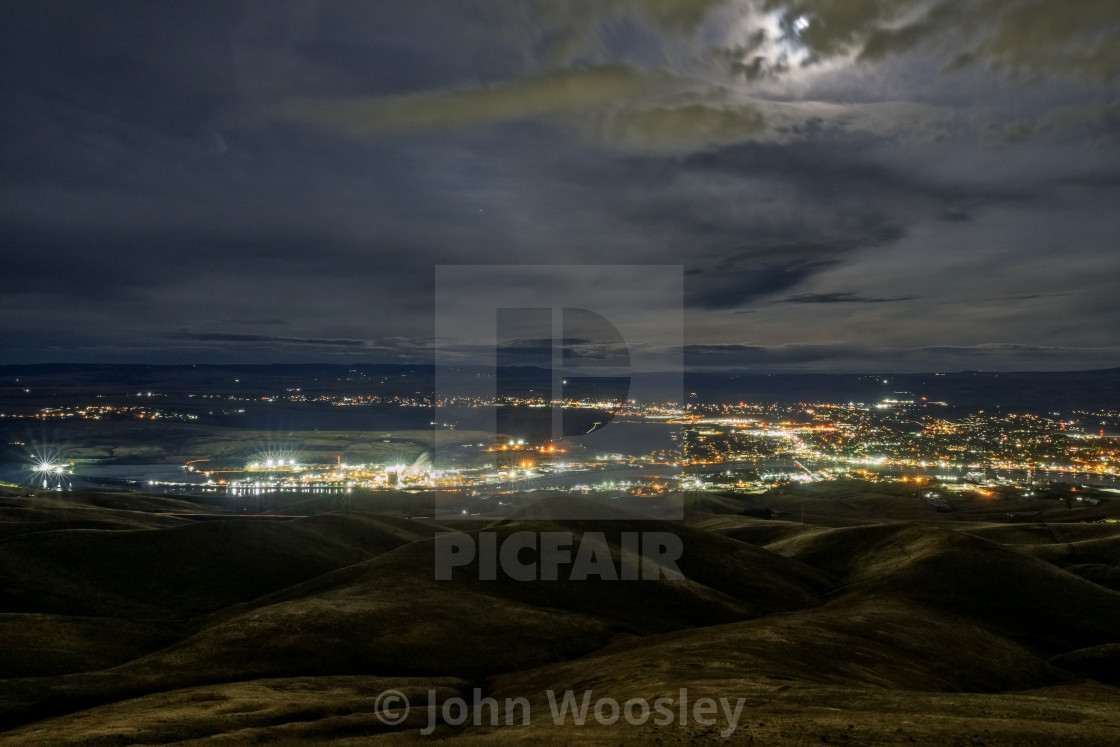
(273, 463)
(50, 471)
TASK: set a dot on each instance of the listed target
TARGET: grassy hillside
(151, 620)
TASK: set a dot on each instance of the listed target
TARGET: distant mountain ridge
(1041, 391)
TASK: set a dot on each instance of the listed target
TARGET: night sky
(880, 185)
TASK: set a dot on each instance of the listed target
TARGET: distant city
(704, 443)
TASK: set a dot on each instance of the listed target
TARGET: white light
(268, 463)
(801, 24)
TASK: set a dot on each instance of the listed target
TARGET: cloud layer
(844, 183)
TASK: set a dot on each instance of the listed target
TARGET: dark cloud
(301, 167)
(257, 322)
(270, 339)
(731, 289)
(166, 67)
(840, 298)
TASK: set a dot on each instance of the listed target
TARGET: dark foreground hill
(130, 621)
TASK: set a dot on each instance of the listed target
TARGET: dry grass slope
(881, 623)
